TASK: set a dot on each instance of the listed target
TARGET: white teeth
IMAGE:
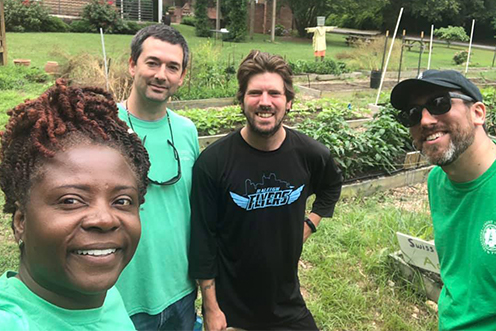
(96, 252)
(434, 136)
(265, 115)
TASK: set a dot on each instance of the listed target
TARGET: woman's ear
(18, 223)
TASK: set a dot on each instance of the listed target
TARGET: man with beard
(248, 208)
(445, 114)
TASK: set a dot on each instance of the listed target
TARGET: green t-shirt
(22, 310)
(157, 276)
(464, 218)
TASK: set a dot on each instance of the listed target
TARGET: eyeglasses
(436, 106)
(177, 177)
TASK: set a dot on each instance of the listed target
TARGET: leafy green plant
(280, 30)
(83, 26)
(26, 16)
(460, 57)
(327, 66)
(15, 77)
(451, 33)
(188, 20)
(213, 121)
(101, 14)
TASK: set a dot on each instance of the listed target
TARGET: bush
(202, 25)
(188, 20)
(237, 18)
(26, 16)
(280, 30)
(55, 24)
(460, 57)
(327, 66)
(83, 26)
(101, 15)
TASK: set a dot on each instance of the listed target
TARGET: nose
(160, 74)
(427, 118)
(265, 99)
(101, 219)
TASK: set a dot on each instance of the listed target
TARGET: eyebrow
(88, 187)
(154, 58)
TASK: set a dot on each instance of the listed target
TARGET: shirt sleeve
(327, 187)
(203, 244)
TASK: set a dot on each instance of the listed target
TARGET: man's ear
(183, 75)
(132, 66)
(288, 105)
(478, 112)
(18, 222)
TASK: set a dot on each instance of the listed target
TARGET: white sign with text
(419, 252)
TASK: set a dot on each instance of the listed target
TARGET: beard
(459, 142)
(267, 133)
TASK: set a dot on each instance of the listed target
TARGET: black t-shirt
(248, 208)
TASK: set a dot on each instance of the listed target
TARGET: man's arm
(213, 317)
(315, 219)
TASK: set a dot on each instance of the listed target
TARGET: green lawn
(42, 47)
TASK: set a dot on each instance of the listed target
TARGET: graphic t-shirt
(248, 208)
(464, 220)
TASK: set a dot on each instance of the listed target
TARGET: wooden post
(252, 18)
(3, 41)
(273, 31)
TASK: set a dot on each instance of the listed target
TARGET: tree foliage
(202, 28)
(451, 33)
(305, 12)
(237, 20)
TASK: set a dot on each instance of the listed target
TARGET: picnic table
(354, 35)
(416, 42)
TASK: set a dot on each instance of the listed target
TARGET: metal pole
(122, 9)
(104, 59)
(401, 54)
(421, 51)
(470, 46)
(385, 47)
(389, 56)
(217, 20)
(252, 18)
(430, 48)
(160, 11)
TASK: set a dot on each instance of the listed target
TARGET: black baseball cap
(402, 92)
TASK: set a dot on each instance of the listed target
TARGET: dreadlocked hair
(62, 117)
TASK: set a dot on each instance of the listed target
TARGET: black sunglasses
(436, 106)
(177, 177)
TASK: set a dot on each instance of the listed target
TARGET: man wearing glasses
(445, 114)
(155, 286)
(248, 204)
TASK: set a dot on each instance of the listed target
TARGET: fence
(134, 10)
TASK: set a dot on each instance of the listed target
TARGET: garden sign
(419, 252)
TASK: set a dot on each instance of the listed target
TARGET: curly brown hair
(62, 117)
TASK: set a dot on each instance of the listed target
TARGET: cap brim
(403, 92)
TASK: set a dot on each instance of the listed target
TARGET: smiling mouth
(264, 115)
(434, 136)
(96, 252)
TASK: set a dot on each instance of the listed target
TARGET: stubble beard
(264, 133)
(458, 144)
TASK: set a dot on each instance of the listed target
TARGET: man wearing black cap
(445, 114)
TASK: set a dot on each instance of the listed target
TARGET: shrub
(237, 20)
(188, 20)
(83, 26)
(280, 30)
(460, 57)
(101, 15)
(55, 24)
(25, 16)
(327, 66)
(451, 33)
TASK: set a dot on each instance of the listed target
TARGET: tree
(202, 28)
(451, 33)
(305, 12)
(237, 20)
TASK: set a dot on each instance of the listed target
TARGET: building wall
(284, 16)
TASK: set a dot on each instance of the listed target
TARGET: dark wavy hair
(62, 117)
(260, 62)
